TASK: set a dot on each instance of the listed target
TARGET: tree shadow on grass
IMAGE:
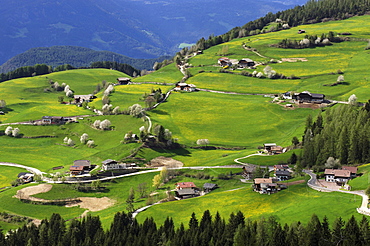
(160, 112)
(173, 152)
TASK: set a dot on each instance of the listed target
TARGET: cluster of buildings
(80, 167)
(267, 185)
(305, 97)
(182, 86)
(273, 149)
(56, 120)
(189, 189)
(243, 63)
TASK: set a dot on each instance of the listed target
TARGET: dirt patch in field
(165, 161)
(27, 192)
(93, 204)
(90, 203)
(293, 59)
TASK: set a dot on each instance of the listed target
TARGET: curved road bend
(363, 209)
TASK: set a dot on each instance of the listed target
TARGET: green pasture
(12, 205)
(320, 69)
(8, 174)
(84, 81)
(231, 120)
(26, 99)
(241, 84)
(45, 153)
(297, 203)
(270, 160)
(125, 96)
(169, 74)
(363, 181)
(197, 157)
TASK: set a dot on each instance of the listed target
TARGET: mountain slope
(140, 29)
(73, 55)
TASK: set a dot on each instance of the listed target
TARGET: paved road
(248, 164)
(30, 169)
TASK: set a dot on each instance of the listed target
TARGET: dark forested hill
(135, 28)
(73, 55)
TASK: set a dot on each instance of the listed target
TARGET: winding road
(363, 209)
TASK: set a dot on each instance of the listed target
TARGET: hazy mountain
(135, 28)
(73, 55)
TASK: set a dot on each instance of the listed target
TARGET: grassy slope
(45, 153)
(8, 174)
(350, 57)
(362, 182)
(255, 206)
(168, 74)
(27, 101)
(232, 120)
(253, 120)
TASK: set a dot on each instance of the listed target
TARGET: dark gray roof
(108, 161)
(282, 173)
(185, 192)
(22, 174)
(81, 163)
(320, 96)
(209, 186)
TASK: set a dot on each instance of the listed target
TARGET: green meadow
(169, 74)
(297, 203)
(270, 160)
(8, 174)
(26, 99)
(229, 120)
(45, 153)
(320, 68)
(363, 181)
(238, 124)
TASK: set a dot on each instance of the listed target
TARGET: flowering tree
(352, 100)
(84, 137)
(90, 144)
(9, 130)
(105, 124)
(15, 132)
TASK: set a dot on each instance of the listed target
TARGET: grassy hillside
(255, 206)
(349, 57)
(26, 99)
(254, 120)
(238, 123)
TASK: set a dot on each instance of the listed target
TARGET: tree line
(341, 133)
(41, 69)
(313, 11)
(208, 230)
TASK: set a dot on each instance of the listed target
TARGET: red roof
(338, 173)
(183, 185)
(351, 169)
(76, 168)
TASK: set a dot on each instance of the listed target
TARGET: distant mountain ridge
(73, 55)
(135, 28)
